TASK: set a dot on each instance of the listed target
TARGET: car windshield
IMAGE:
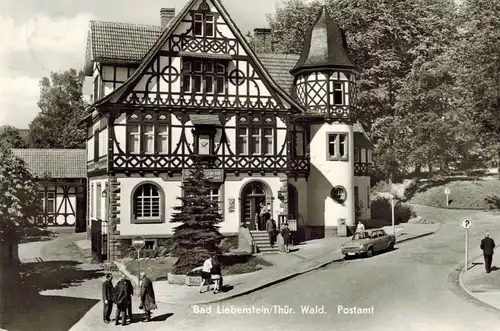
(360, 235)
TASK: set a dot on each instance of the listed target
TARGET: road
(407, 288)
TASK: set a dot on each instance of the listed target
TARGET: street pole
(466, 250)
(138, 268)
(392, 211)
(447, 199)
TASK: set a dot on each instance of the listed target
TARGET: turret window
(338, 93)
(337, 147)
(203, 25)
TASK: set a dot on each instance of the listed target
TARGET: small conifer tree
(198, 236)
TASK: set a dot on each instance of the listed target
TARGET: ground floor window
(147, 206)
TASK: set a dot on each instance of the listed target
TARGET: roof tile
(58, 163)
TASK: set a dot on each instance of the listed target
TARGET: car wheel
(346, 257)
(369, 252)
(391, 246)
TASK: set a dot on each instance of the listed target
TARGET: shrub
(381, 210)
(411, 190)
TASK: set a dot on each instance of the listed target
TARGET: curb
(460, 290)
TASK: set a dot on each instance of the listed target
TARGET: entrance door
(293, 202)
(253, 194)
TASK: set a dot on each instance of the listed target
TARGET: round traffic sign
(138, 242)
(466, 223)
(447, 191)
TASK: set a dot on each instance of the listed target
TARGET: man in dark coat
(107, 297)
(487, 245)
(130, 292)
(148, 301)
(270, 228)
(121, 301)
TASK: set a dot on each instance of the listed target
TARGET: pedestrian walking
(148, 301)
(205, 274)
(488, 246)
(285, 233)
(107, 298)
(121, 301)
(275, 230)
(216, 273)
(270, 230)
(130, 293)
(360, 227)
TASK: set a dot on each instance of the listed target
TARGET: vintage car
(368, 242)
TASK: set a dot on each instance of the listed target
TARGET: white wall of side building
(326, 174)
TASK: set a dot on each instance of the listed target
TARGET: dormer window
(203, 25)
(338, 93)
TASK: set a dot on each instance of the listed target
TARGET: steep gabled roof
(57, 163)
(278, 66)
(166, 33)
(118, 42)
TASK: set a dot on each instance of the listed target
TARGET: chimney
(166, 15)
(262, 40)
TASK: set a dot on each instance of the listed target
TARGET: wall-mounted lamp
(104, 193)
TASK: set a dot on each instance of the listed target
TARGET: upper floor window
(357, 155)
(96, 145)
(298, 143)
(261, 141)
(147, 136)
(203, 77)
(337, 146)
(203, 25)
(147, 205)
(338, 93)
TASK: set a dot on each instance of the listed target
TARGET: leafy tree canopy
(18, 194)
(11, 136)
(61, 108)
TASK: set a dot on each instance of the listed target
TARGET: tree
(11, 136)
(19, 203)
(198, 236)
(61, 108)
(478, 66)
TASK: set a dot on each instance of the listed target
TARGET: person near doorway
(285, 233)
(488, 246)
(263, 215)
(148, 301)
(121, 301)
(275, 230)
(270, 230)
(205, 274)
(360, 227)
(257, 221)
(107, 297)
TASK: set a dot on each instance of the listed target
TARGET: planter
(176, 279)
(184, 280)
(192, 280)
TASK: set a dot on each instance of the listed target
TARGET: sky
(40, 36)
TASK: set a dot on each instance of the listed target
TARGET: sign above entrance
(212, 175)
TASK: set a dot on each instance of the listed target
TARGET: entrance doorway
(293, 202)
(251, 197)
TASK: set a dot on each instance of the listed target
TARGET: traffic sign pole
(138, 242)
(466, 224)
(447, 192)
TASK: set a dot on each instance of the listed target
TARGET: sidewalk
(305, 257)
(480, 285)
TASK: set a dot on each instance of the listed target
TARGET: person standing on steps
(270, 228)
(107, 297)
(488, 246)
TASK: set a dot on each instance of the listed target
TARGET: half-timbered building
(271, 128)
(62, 180)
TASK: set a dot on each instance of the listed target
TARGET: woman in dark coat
(148, 301)
(121, 298)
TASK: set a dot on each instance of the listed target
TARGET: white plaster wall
(363, 184)
(232, 190)
(171, 189)
(98, 195)
(326, 174)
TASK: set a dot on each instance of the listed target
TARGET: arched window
(148, 204)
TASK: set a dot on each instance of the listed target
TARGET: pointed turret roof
(325, 46)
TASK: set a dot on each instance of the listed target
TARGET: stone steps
(261, 239)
